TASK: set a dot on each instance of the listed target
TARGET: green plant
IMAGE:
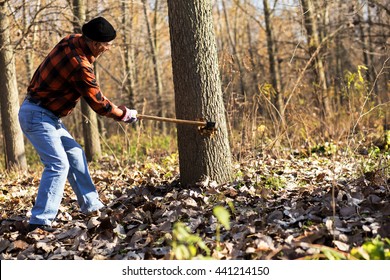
(307, 224)
(356, 79)
(223, 217)
(387, 140)
(327, 253)
(239, 174)
(333, 254)
(130, 148)
(374, 249)
(186, 245)
(274, 183)
(327, 148)
(32, 156)
(374, 161)
(374, 152)
(171, 159)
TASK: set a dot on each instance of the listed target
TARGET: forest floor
(318, 206)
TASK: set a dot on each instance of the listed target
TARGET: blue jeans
(63, 158)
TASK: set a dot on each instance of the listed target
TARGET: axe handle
(179, 121)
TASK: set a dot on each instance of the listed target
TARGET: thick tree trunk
(9, 99)
(198, 92)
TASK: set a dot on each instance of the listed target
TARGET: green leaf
(374, 249)
(332, 254)
(222, 215)
(182, 252)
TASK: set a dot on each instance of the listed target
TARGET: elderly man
(65, 76)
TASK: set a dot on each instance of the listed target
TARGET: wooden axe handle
(179, 121)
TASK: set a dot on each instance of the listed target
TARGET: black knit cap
(99, 30)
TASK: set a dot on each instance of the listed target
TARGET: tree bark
(156, 70)
(198, 92)
(29, 55)
(371, 68)
(273, 66)
(313, 43)
(92, 144)
(128, 52)
(237, 58)
(9, 99)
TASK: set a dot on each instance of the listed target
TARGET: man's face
(99, 48)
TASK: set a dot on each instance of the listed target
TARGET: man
(65, 76)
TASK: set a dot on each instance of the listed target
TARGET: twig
(314, 55)
(361, 115)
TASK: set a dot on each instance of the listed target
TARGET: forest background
(299, 79)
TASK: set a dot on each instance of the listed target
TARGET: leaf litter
(279, 209)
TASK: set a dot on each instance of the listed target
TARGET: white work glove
(130, 115)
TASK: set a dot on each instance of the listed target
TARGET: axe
(204, 126)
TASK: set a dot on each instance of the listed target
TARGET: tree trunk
(29, 55)
(371, 50)
(9, 99)
(156, 70)
(128, 52)
(313, 42)
(235, 54)
(243, 114)
(90, 124)
(364, 45)
(198, 92)
(335, 59)
(272, 54)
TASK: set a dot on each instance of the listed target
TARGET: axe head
(209, 129)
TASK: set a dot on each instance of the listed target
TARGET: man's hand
(130, 115)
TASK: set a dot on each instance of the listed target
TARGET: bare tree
(198, 92)
(272, 56)
(90, 124)
(29, 54)
(235, 53)
(310, 23)
(9, 101)
(127, 28)
(156, 68)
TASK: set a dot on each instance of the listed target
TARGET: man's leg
(79, 176)
(42, 131)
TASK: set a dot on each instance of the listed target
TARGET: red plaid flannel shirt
(64, 76)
